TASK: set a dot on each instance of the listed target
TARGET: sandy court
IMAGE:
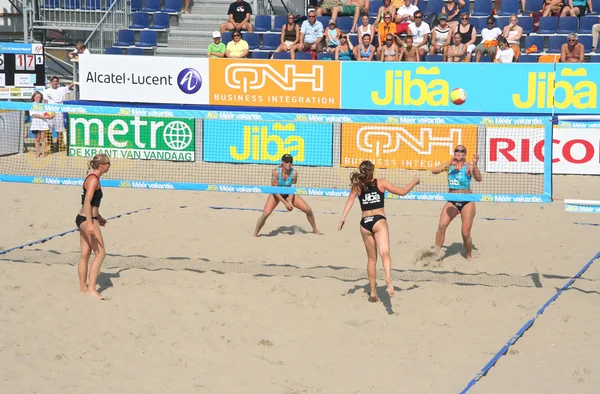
(197, 305)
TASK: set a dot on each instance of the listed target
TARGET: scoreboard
(22, 70)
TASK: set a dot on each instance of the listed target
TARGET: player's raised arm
(441, 167)
(474, 170)
(397, 190)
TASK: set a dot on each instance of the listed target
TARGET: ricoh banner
(144, 79)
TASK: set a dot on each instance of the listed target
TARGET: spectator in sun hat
(216, 49)
(441, 36)
(332, 36)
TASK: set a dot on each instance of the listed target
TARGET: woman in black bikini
(373, 225)
(87, 221)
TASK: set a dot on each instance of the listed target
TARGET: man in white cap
(216, 49)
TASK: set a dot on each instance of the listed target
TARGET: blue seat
(73, 4)
(282, 55)
(260, 55)
(587, 43)
(585, 25)
(353, 39)
(126, 38)
(136, 5)
(534, 5)
(270, 42)
(479, 24)
(280, 20)
(481, 8)
(509, 7)
(528, 58)
(325, 56)
(262, 23)
(555, 43)
(113, 51)
(93, 5)
(147, 39)
(160, 20)
(252, 39)
(595, 59)
(140, 20)
(172, 6)
(435, 58)
(548, 25)
(226, 37)
(538, 41)
(52, 4)
(344, 23)
(502, 22)
(526, 22)
(151, 6)
(568, 24)
(135, 51)
(304, 56)
(374, 8)
(433, 7)
(324, 21)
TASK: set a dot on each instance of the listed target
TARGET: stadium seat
(374, 8)
(595, 59)
(226, 37)
(270, 42)
(151, 6)
(160, 20)
(534, 5)
(344, 23)
(434, 58)
(528, 59)
(73, 4)
(548, 25)
(555, 43)
(52, 4)
(135, 51)
(478, 23)
(482, 8)
(587, 43)
(126, 38)
(538, 41)
(526, 22)
(172, 6)
(304, 56)
(147, 39)
(509, 7)
(281, 55)
(136, 5)
(262, 23)
(140, 20)
(432, 7)
(325, 56)
(260, 55)
(353, 39)
(93, 5)
(252, 39)
(568, 24)
(280, 20)
(502, 22)
(113, 51)
(585, 25)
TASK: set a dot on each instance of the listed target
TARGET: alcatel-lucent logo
(189, 81)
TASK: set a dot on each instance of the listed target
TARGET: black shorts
(582, 9)
(36, 132)
(369, 221)
(80, 219)
(459, 204)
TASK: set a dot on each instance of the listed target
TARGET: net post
(548, 136)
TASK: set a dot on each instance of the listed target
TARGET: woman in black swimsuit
(373, 225)
(87, 221)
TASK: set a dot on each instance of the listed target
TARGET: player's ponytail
(362, 179)
(100, 158)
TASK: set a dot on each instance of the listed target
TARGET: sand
(196, 305)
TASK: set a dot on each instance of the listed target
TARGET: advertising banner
(132, 137)
(254, 142)
(280, 83)
(410, 146)
(144, 79)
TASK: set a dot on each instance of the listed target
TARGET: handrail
(101, 21)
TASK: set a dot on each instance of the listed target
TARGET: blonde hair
(99, 159)
(35, 94)
(362, 179)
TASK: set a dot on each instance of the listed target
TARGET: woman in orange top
(386, 27)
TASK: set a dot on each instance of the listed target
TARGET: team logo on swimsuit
(189, 80)
(371, 198)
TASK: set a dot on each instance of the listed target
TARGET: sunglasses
(465, 19)
(236, 35)
(460, 151)
(571, 39)
(418, 17)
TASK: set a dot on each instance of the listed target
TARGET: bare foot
(390, 287)
(315, 231)
(373, 297)
(83, 289)
(96, 294)
(469, 257)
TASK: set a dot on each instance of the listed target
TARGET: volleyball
(48, 113)
(458, 96)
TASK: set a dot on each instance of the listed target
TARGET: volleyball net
(161, 148)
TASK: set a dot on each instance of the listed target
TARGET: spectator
(239, 17)
(496, 9)
(80, 49)
(468, 33)
(386, 8)
(452, 9)
(504, 54)
(420, 32)
(554, 7)
(399, 3)
(405, 15)
(410, 53)
(216, 49)
(56, 95)
(344, 50)
(572, 51)
(440, 37)
(187, 6)
(578, 8)
(386, 27)
(327, 7)
(513, 33)
(365, 28)
(39, 125)
(332, 34)
(595, 35)
(238, 48)
(352, 7)
(311, 36)
(489, 40)
(290, 34)
(390, 51)
(364, 52)
(457, 52)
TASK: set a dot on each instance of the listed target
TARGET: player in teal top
(460, 173)
(285, 176)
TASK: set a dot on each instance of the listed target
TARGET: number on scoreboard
(20, 62)
(30, 62)
(1, 62)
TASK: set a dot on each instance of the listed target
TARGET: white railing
(105, 33)
(79, 14)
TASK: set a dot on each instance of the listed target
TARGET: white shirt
(36, 123)
(407, 10)
(419, 33)
(505, 56)
(489, 35)
(85, 52)
(56, 96)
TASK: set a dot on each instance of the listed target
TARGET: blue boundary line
(526, 327)
(41, 241)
